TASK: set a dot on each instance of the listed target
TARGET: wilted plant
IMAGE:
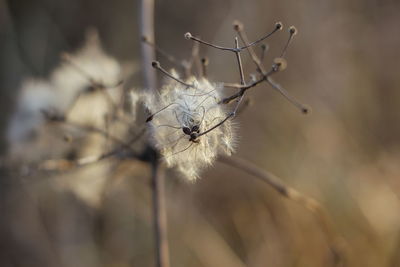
(190, 122)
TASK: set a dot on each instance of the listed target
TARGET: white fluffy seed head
(179, 108)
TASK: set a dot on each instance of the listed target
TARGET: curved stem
(335, 241)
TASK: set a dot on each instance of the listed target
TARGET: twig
(160, 214)
(204, 64)
(168, 56)
(146, 13)
(238, 26)
(334, 240)
(158, 188)
(264, 49)
(123, 151)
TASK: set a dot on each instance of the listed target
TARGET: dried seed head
(180, 113)
(279, 25)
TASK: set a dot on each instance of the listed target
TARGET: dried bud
(280, 64)
(188, 36)
(205, 61)
(237, 25)
(292, 30)
(263, 46)
(155, 64)
(278, 25)
(305, 110)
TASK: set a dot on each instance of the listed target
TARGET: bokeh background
(344, 63)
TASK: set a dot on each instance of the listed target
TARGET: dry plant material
(190, 118)
(180, 115)
(190, 124)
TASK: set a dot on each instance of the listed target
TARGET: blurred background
(344, 63)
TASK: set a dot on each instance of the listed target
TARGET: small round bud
(264, 47)
(280, 64)
(237, 25)
(305, 110)
(278, 25)
(144, 38)
(155, 64)
(205, 61)
(188, 36)
(292, 30)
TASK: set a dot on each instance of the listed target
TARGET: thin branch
(304, 109)
(194, 60)
(189, 36)
(239, 61)
(204, 64)
(240, 94)
(334, 240)
(160, 213)
(292, 33)
(157, 66)
(146, 14)
(93, 129)
(264, 49)
(168, 56)
(238, 26)
(121, 152)
(158, 186)
(277, 66)
(278, 27)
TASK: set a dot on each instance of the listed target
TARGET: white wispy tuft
(179, 109)
(67, 92)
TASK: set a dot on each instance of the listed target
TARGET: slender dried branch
(239, 28)
(157, 66)
(160, 213)
(123, 151)
(239, 61)
(146, 15)
(292, 33)
(278, 26)
(279, 64)
(158, 186)
(168, 56)
(204, 64)
(334, 240)
(264, 49)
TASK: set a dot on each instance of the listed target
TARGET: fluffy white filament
(194, 108)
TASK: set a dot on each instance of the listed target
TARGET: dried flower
(180, 114)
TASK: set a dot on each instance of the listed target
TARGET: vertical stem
(239, 61)
(160, 216)
(148, 54)
(158, 187)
